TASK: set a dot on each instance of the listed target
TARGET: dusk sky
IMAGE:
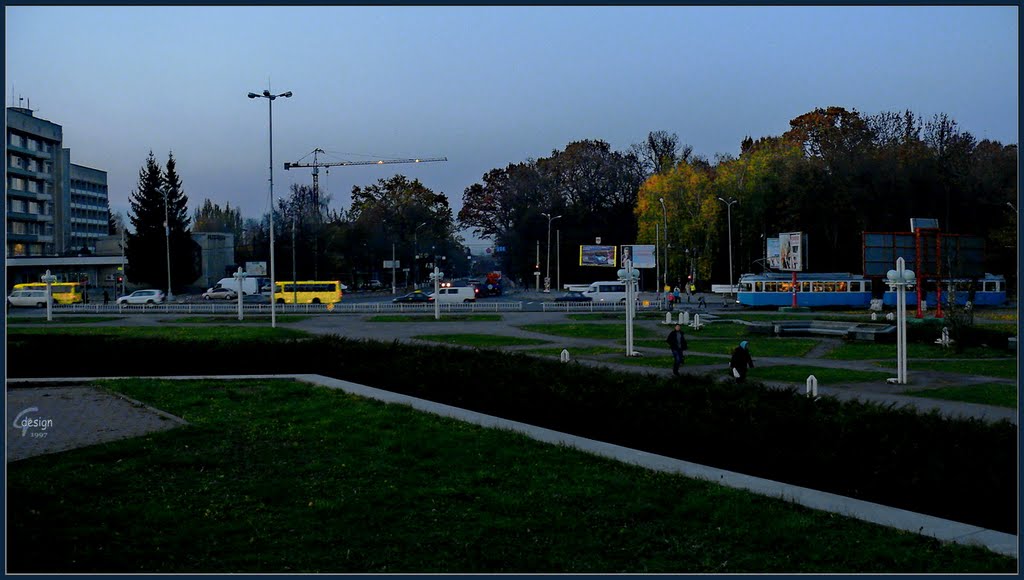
(483, 86)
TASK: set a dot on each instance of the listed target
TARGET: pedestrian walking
(106, 298)
(677, 295)
(689, 293)
(701, 303)
(677, 343)
(669, 298)
(740, 361)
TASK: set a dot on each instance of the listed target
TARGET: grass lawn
(599, 331)
(430, 318)
(77, 319)
(233, 319)
(287, 478)
(825, 376)
(481, 340)
(1004, 369)
(858, 316)
(665, 362)
(915, 350)
(576, 351)
(760, 345)
(714, 330)
(998, 394)
(177, 333)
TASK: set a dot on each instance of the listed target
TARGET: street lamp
(416, 256)
(898, 280)
(167, 233)
(273, 284)
(664, 215)
(728, 205)
(547, 277)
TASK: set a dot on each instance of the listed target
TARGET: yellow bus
(63, 292)
(309, 292)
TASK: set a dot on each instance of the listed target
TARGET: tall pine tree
(147, 246)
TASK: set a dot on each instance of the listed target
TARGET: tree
(158, 192)
(210, 217)
(660, 152)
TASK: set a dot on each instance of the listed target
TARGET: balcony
(22, 194)
(29, 238)
(30, 152)
(29, 217)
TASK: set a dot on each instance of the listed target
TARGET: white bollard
(812, 386)
(696, 322)
(890, 317)
(668, 318)
(684, 318)
(565, 355)
(874, 316)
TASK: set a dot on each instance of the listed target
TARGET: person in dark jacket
(740, 361)
(676, 342)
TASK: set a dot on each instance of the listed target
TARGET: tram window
(867, 285)
(817, 287)
(757, 287)
(805, 286)
(854, 286)
(841, 286)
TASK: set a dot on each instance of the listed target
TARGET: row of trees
(833, 175)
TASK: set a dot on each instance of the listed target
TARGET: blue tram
(813, 290)
(855, 291)
(989, 290)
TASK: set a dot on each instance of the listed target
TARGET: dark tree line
(833, 175)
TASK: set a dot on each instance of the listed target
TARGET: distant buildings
(53, 207)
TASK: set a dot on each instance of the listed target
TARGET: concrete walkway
(941, 529)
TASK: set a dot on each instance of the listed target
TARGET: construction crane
(316, 165)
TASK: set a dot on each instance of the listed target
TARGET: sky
(483, 86)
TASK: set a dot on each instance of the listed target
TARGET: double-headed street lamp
(728, 205)
(547, 277)
(273, 284)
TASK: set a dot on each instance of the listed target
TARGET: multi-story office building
(86, 208)
(53, 206)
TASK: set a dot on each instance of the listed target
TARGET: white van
(250, 285)
(607, 292)
(455, 294)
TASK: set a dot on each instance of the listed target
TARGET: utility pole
(558, 258)
(295, 287)
(536, 273)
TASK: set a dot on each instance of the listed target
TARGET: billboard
(598, 256)
(792, 252)
(642, 256)
(772, 253)
(256, 268)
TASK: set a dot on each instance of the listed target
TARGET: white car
(142, 297)
(28, 298)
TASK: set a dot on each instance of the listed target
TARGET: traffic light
(120, 279)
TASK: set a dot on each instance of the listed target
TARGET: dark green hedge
(964, 470)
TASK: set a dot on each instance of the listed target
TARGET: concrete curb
(941, 529)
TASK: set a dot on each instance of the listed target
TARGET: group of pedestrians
(675, 296)
(738, 363)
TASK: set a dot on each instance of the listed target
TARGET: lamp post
(728, 205)
(49, 279)
(167, 234)
(898, 280)
(664, 215)
(416, 255)
(240, 276)
(547, 277)
(273, 283)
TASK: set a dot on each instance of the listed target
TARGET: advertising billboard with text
(642, 256)
(598, 256)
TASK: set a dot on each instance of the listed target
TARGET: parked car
(220, 292)
(35, 298)
(142, 297)
(416, 297)
(375, 285)
(574, 297)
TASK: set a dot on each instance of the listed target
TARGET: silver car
(220, 292)
(142, 297)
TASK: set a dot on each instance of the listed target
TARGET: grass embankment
(1003, 369)
(892, 456)
(576, 351)
(915, 350)
(430, 318)
(596, 331)
(281, 477)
